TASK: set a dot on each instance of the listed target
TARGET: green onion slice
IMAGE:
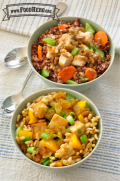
(45, 136)
(69, 97)
(87, 106)
(79, 130)
(73, 114)
(28, 138)
(83, 138)
(46, 161)
(17, 131)
(70, 120)
(30, 149)
(52, 108)
(68, 130)
(62, 113)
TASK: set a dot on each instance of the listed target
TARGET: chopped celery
(98, 51)
(75, 51)
(50, 41)
(85, 47)
(92, 47)
(89, 28)
(44, 73)
(69, 97)
(101, 53)
(70, 82)
(85, 79)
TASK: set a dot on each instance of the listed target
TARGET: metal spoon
(18, 56)
(12, 61)
(11, 102)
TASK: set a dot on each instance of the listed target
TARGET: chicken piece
(86, 37)
(67, 41)
(57, 121)
(79, 60)
(76, 29)
(38, 129)
(59, 47)
(65, 58)
(50, 52)
(76, 126)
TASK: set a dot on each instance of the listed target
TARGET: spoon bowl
(16, 58)
(10, 103)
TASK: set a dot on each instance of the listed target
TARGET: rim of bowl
(63, 167)
(71, 85)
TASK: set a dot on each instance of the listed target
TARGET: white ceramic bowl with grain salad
(69, 55)
(42, 139)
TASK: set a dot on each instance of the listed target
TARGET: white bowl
(45, 92)
(46, 26)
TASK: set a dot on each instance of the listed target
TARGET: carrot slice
(63, 26)
(67, 73)
(90, 73)
(103, 37)
(40, 53)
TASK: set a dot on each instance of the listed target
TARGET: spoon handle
(27, 78)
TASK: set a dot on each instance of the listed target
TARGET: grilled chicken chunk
(86, 37)
(65, 58)
(50, 52)
(79, 60)
(76, 126)
(67, 42)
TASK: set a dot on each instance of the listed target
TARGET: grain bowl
(72, 53)
(56, 128)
